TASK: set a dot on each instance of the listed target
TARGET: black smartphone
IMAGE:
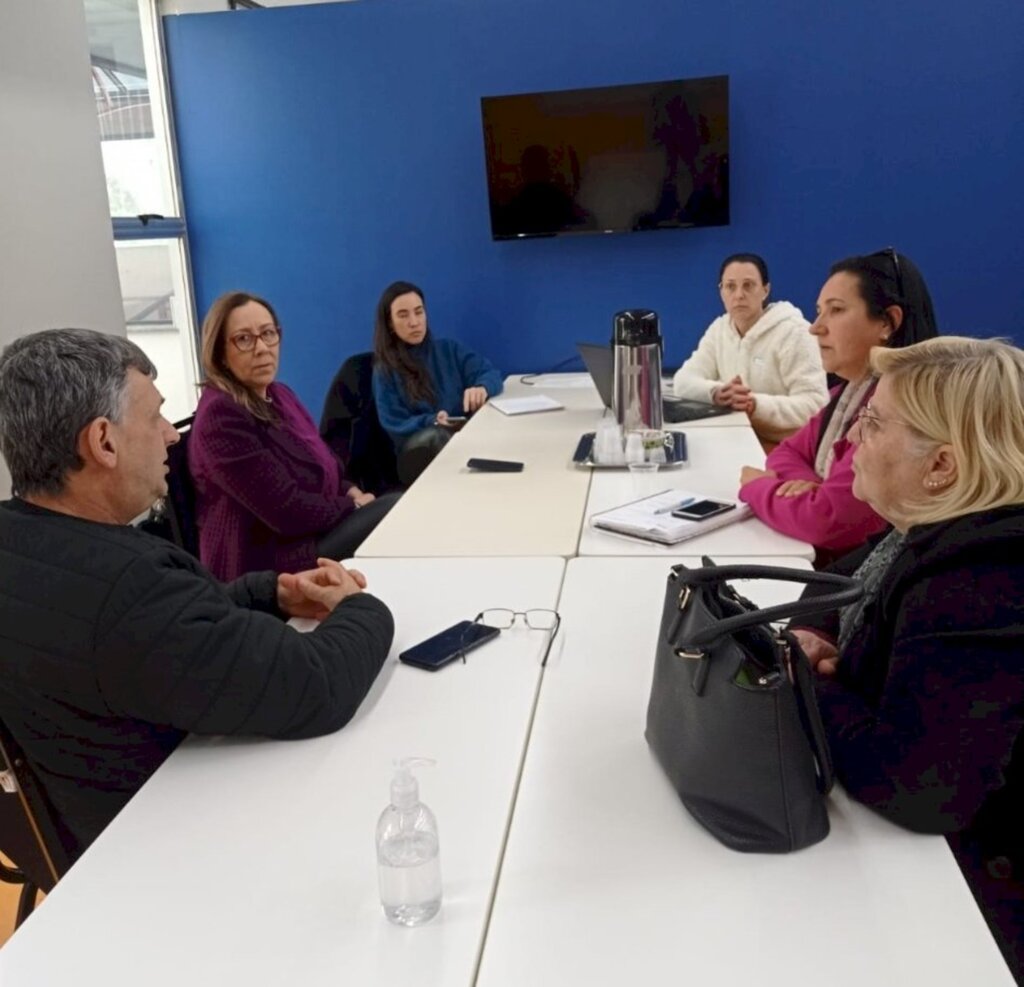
(454, 422)
(451, 643)
(700, 510)
(495, 465)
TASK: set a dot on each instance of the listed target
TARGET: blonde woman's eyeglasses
(870, 422)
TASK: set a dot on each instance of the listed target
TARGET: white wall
(57, 265)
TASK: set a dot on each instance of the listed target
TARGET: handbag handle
(847, 590)
(810, 716)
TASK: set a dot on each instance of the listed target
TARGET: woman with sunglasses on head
(270, 494)
(921, 682)
(757, 357)
(806, 487)
(423, 386)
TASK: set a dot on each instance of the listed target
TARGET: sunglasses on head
(894, 259)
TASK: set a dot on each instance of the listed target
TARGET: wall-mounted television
(612, 159)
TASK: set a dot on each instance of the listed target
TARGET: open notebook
(651, 518)
(528, 405)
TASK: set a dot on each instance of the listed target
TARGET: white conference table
(452, 510)
(253, 862)
(715, 457)
(607, 880)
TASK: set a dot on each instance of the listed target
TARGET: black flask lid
(636, 327)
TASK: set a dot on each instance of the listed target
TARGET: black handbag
(732, 717)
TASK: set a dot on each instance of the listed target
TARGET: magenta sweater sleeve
(793, 459)
(829, 516)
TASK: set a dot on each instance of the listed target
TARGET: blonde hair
(215, 366)
(968, 394)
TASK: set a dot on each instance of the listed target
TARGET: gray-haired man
(113, 643)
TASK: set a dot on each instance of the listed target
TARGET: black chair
(174, 518)
(29, 831)
(180, 503)
(350, 426)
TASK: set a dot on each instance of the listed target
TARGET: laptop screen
(601, 366)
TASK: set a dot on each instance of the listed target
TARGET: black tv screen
(612, 159)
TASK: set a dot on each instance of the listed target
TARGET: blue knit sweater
(452, 369)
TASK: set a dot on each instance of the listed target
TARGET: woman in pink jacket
(806, 489)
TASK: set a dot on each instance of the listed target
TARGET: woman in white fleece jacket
(756, 358)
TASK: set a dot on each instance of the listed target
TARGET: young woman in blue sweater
(421, 383)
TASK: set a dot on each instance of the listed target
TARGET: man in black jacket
(115, 644)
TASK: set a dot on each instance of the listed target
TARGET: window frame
(133, 229)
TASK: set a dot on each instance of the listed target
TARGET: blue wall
(327, 150)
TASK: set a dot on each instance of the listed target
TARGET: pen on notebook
(675, 507)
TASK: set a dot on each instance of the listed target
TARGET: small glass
(655, 442)
(607, 447)
(642, 475)
(634, 448)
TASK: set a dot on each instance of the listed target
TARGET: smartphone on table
(701, 510)
(453, 642)
(494, 465)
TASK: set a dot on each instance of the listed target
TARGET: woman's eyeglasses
(869, 422)
(731, 287)
(245, 342)
(536, 620)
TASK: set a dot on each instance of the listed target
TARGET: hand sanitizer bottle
(408, 862)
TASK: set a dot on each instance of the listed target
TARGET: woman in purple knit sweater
(270, 493)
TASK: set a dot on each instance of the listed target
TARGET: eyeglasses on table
(535, 620)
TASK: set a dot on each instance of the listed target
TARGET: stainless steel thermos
(637, 345)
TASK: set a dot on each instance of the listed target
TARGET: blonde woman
(922, 682)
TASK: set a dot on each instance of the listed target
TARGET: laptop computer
(600, 363)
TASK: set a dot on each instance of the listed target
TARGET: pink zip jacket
(829, 517)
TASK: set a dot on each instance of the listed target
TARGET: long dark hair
(394, 356)
(887, 278)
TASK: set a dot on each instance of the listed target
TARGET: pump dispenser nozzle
(405, 789)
